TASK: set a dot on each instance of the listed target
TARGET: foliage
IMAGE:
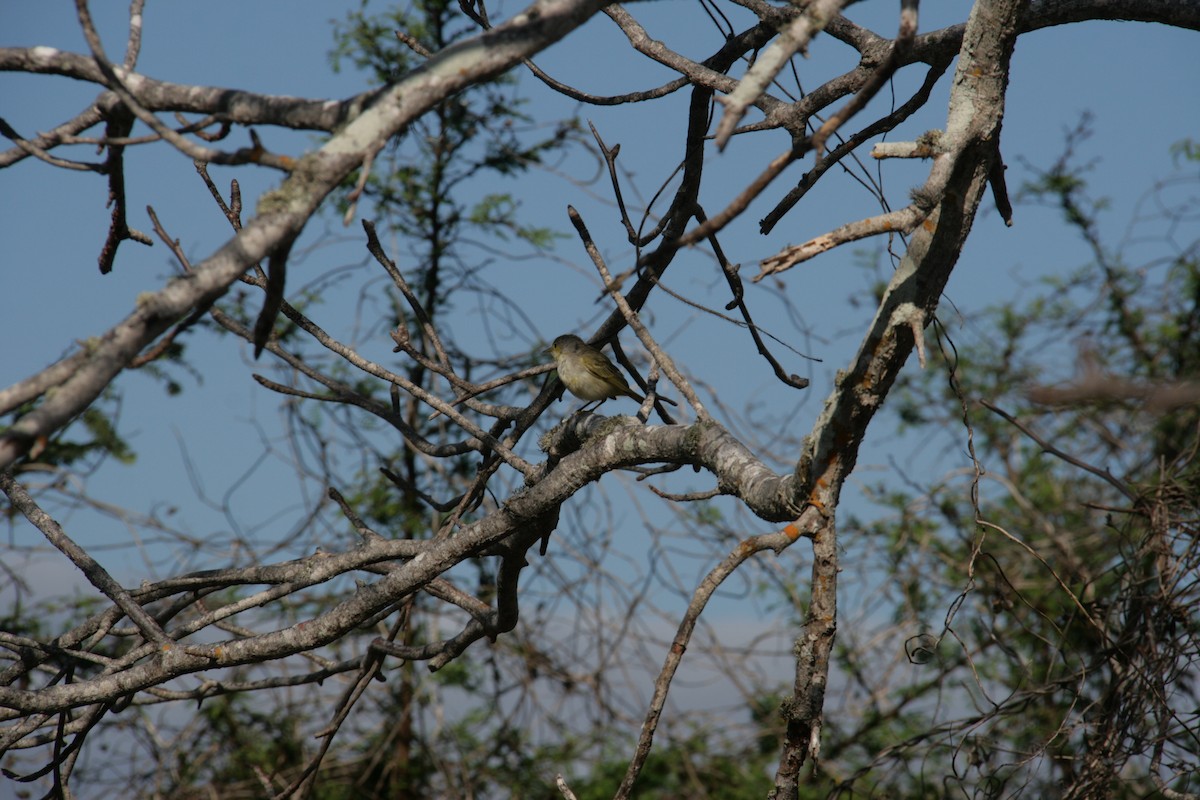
(442, 596)
(426, 190)
(1066, 661)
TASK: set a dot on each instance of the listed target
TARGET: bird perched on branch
(587, 373)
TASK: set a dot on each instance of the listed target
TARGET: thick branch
(282, 214)
(233, 105)
(972, 128)
(511, 529)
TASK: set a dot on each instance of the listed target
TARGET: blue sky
(1134, 78)
(1137, 80)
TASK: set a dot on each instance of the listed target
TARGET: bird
(587, 373)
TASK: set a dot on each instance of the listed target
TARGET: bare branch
(284, 212)
(792, 39)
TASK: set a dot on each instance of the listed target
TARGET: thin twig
(91, 569)
(665, 362)
(1103, 474)
(880, 76)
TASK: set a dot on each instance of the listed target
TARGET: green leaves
(1058, 594)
